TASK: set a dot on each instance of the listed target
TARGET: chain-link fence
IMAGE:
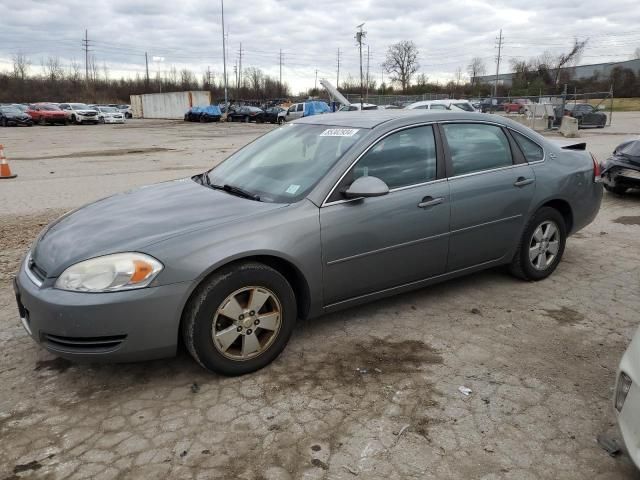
(398, 100)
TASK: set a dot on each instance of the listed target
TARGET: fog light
(622, 389)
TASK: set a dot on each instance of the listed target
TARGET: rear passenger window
(532, 151)
(475, 147)
(407, 157)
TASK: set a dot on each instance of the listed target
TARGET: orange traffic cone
(5, 171)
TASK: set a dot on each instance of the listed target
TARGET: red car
(44, 113)
(517, 105)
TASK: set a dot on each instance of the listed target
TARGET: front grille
(83, 344)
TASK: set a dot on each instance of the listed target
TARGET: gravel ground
(371, 392)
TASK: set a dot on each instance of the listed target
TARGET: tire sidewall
(210, 299)
(542, 215)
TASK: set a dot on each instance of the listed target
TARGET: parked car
(125, 109)
(80, 113)
(21, 106)
(442, 105)
(306, 109)
(275, 115)
(586, 114)
(108, 114)
(518, 105)
(207, 113)
(490, 105)
(354, 107)
(229, 259)
(11, 116)
(627, 399)
(246, 114)
(44, 113)
(621, 171)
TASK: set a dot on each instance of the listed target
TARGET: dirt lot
(367, 393)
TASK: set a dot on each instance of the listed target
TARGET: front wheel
(280, 120)
(240, 319)
(4, 122)
(541, 246)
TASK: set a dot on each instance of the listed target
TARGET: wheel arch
(565, 210)
(286, 268)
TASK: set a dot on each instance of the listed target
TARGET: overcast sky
(188, 33)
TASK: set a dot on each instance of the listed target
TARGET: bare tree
(569, 58)
(402, 62)
(53, 69)
(187, 79)
(255, 78)
(475, 69)
(458, 76)
(21, 66)
(74, 72)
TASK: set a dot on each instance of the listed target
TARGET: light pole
(158, 61)
(224, 61)
(359, 36)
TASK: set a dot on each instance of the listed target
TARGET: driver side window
(402, 159)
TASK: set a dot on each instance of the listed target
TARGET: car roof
(373, 118)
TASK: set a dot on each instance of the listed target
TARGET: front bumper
(19, 121)
(113, 120)
(86, 118)
(116, 327)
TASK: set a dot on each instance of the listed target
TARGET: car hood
(132, 220)
(19, 116)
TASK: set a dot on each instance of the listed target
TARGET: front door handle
(430, 202)
(521, 182)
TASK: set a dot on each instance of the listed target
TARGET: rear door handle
(521, 182)
(430, 202)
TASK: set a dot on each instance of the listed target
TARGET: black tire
(197, 318)
(521, 111)
(521, 266)
(42, 121)
(246, 119)
(101, 120)
(615, 189)
(280, 120)
(4, 122)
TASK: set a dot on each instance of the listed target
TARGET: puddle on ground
(565, 315)
(629, 220)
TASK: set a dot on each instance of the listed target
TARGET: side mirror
(364, 187)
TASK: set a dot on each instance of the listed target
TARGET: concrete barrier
(569, 127)
(171, 105)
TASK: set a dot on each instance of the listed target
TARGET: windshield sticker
(292, 189)
(339, 132)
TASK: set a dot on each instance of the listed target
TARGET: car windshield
(79, 106)
(464, 106)
(12, 110)
(108, 109)
(285, 164)
(48, 107)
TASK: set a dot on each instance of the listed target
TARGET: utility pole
(499, 40)
(240, 68)
(280, 82)
(224, 61)
(338, 74)
(85, 44)
(235, 74)
(360, 34)
(146, 64)
(367, 73)
(315, 87)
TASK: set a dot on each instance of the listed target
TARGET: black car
(275, 115)
(621, 171)
(10, 115)
(586, 115)
(246, 114)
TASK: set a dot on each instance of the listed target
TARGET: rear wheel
(521, 111)
(541, 246)
(246, 119)
(240, 319)
(280, 120)
(4, 122)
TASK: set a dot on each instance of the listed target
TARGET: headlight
(120, 271)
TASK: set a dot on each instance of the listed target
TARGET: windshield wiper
(229, 188)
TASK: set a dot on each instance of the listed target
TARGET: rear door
(378, 243)
(491, 189)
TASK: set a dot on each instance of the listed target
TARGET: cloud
(188, 34)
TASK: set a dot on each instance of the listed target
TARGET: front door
(379, 243)
(490, 194)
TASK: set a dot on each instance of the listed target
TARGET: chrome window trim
(491, 170)
(397, 189)
(390, 132)
(544, 152)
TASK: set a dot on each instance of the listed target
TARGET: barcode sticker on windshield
(339, 132)
(292, 189)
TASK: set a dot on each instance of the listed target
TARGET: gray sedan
(321, 214)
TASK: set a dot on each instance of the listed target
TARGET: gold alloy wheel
(246, 323)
